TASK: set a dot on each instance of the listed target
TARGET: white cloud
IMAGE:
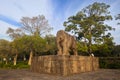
(16, 9)
(3, 28)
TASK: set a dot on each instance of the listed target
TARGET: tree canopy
(37, 25)
(89, 24)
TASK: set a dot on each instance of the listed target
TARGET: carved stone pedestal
(64, 65)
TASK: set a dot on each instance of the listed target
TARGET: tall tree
(15, 46)
(16, 49)
(5, 49)
(33, 27)
(32, 45)
(36, 25)
(88, 24)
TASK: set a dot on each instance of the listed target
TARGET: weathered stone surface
(65, 43)
(64, 65)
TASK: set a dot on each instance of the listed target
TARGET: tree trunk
(89, 48)
(6, 62)
(24, 58)
(30, 58)
(5, 59)
(90, 41)
(15, 59)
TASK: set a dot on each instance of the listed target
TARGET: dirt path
(102, 74)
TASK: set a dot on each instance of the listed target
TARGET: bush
(109, 62)
(19, 65)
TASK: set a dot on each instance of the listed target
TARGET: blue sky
(56, 11)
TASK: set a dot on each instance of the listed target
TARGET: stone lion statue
(65, 43)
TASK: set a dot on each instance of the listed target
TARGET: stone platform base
(64, 65)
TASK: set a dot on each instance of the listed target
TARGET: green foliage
(109, 62)
(16, 46)
(32, 43)
(88, 24)
(20, 65)
(82, 48)
(116, 51)
(36, 43)
(5, 48)
(105, 49)
(51, 44)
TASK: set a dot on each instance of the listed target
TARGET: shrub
(109, 62)
(19, 65)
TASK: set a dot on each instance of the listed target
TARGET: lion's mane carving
(65, 43)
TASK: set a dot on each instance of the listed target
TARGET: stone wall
(64, 65)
